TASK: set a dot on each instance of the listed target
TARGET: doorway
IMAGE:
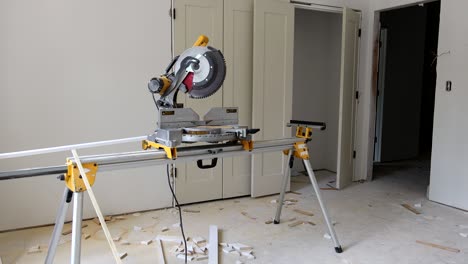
(406, 91)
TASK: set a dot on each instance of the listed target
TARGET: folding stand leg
(286, 177)
(76, 228)
(59, 221)
(338, 248)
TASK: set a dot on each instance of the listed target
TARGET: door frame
(357, 115)
(382, 56)
(371, 109)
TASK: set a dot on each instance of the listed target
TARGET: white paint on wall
(90, 59)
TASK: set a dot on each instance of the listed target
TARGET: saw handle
(209, 166)
(201, 41)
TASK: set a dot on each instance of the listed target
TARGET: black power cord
(180, 212)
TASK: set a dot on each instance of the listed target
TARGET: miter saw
(199, 72)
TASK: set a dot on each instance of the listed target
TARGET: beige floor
(370, 223)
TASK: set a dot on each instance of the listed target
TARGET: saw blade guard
(208, 76)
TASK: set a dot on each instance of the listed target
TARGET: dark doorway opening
(406, 89)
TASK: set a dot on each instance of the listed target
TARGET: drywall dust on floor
(370, 222)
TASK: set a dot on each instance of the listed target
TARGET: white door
(237, 87)
(348, 83)
(380, 95)
(272, 92)
(193, 18)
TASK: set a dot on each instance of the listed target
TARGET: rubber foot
(338, 249)
(276, 222)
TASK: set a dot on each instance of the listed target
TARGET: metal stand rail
(292, 147)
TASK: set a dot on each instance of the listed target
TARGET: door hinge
(175, 173)
(357, 95)
(354, 154)
(172, 13)
(375, 139)
(359, 32)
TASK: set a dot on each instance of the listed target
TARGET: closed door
(194, 18)
(272, 92)
(237, 88)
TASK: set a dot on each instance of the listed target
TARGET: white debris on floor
(373, 228)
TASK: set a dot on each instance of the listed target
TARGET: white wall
(316, 82)
(72, 72)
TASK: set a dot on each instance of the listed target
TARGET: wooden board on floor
(213, 248)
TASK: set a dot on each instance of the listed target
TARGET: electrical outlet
(448, 86)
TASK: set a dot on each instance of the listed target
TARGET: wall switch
(448, 86)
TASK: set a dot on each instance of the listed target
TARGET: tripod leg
(286, 177)
(76, 228)
(59, 221)
(338, 248)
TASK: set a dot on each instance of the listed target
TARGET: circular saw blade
(209, 76)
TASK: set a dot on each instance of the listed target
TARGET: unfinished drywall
(72, 72)
(316, 83)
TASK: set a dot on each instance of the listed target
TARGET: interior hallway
(370, 222)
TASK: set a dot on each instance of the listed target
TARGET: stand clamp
(171, 153)
(73, 178)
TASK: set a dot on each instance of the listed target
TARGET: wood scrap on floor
(300, 222)
(34, 249)
(106, 218)
(199, 240)
(269, 222)
(69, 231)
(293, 224)
(124, 242)
(164, 229)
(146, 242)
(248, 216)
(123, 255)
(238, 249)
(160, 249)
(213, 246)
(296, 193)
(410, 208)
(176, 239)
(86, 236)
(190, 211)
(241, 247)
(455, 250)
(303, 212)
(329, 189)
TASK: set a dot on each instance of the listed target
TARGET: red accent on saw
(188, 81)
